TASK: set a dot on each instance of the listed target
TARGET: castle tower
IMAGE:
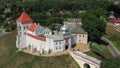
(22, 26)
(64, 30)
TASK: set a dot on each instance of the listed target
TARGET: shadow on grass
(102, 42)
(99, 54)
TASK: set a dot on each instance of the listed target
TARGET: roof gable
(24, 18)
(32, 27)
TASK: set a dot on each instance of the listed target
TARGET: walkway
(111, 47)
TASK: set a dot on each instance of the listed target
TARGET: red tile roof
(24, 18)
(114, 20)
(32, 27)
(36, 37)
(11, 21)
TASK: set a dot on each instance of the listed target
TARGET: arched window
(29, 46)
(86, 65)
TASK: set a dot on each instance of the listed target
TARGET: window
(59, 47)
(79, 35)
(19, 28)
(24, 32)
(56, 48)
(44, 32)
(24, 27)
(29, 46)
(59, 42)
(56, 43)
(79, 40)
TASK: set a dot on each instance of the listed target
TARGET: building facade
(37, 38)
(78, 34)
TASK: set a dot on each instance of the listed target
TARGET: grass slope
(9, 58)
(113, 36)
(7, 46)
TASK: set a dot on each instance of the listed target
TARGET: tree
(1, 9)
(111, 63)
(94, 26)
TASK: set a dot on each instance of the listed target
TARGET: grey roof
(39, 28)
(46, 30)
(42, 29)
(77, 30)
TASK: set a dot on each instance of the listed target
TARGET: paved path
(83, 58)
(111, 47)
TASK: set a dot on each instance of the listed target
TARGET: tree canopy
(94, 22)
(47, 12)
(111, 63)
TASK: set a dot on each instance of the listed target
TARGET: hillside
(9, 58)
(113, 36)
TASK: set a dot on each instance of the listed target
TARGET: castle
(37, 38)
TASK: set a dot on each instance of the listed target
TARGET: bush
(111, 63)
(7, 30)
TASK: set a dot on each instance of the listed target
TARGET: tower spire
(24, 18)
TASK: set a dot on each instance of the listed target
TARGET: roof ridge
(24, 18)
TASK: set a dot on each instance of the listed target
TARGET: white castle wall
(34, 44)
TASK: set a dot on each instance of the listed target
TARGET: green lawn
(106, 50)
(92, 54)
(113, 36)
(7, 46)
(30, 0)
(9, 58)
(23, 60)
